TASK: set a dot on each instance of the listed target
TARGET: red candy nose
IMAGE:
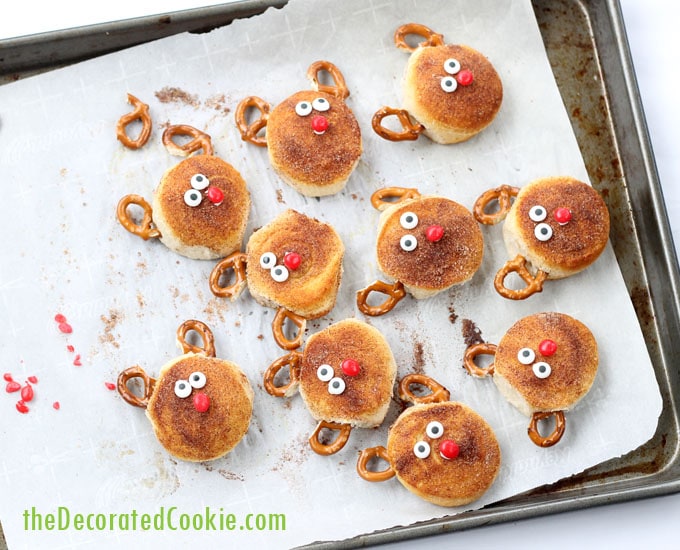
(547, 347)
(350, 367)
(434, 233)
(464, 77)
(292, 260)
(449, 449)
(319, 124)
(562, 215)
(201, 402)
(215, 195)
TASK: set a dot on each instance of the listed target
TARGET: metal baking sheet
(587, 48)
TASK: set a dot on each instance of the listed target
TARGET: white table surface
(655, 44)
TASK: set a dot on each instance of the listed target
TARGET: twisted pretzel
(145, 229)
(431, 38)
(340, 89)
(410, 129)
(203, 331)
(277, 328)
(292, 361)
(472, 352)
(439, 393)
(141, 113)
(504, 195)
(330, 448)
(127, 395)
(395, 293)
(366, 456)
(200, 140)
(556, 434)
(379, 197)
(534, 284)
(237, 262)
(249, 131)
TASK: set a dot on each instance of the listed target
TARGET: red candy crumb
(110, 385)
(70, 348)
(59, 318)
(7, 376)
(27, 393)
(21, 407)
(65, 328)
(56, 405)
(12, 386)
(33, 379)
(77, 362)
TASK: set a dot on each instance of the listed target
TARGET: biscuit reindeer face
(199, 406)
(430, 243)
(313, 138)
(200, 208)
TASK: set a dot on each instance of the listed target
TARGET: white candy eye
(267, 260)
(192, 197)
(336, 386)
(408, 243)
(537, 213)
(408, 220)
(452, 66)
(321, 104)
(434, 429)
(526, 356)
(324, 373)
(541, 369)
(182, 389)
(280, 273)
(543, 232)
(197, 380)
(449, 84)
(199, 181)
(421, 449)
(303, 108)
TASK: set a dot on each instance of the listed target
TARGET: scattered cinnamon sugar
(218, 103)
(170, 94)
(452, 314)
(279, 196)
(110, 323)
(471, 333)
(419, 358)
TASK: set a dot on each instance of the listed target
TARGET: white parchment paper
(64, 252)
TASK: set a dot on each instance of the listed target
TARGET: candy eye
(336, 386)
(452, 66)
(280, 273)
(537, 213)
(267, 260)
(434, 429)
(541, 369)
(526, 356)
(543, 232)
(321, 104)
(303, 108)
(408, 220)
(197, 380)
(182, 389)
(408, 243)
(324, 373)
(199, 181)
(421, 449)
(192, 198)
(449, 84)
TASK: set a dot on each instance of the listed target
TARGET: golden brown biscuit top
(405, 252)
(347, 371)
(305, 155)
(580, 239)
(318, 253)
(468, 106)
(201, 406)
(414, 447)
(184, 194)
(551, 359)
